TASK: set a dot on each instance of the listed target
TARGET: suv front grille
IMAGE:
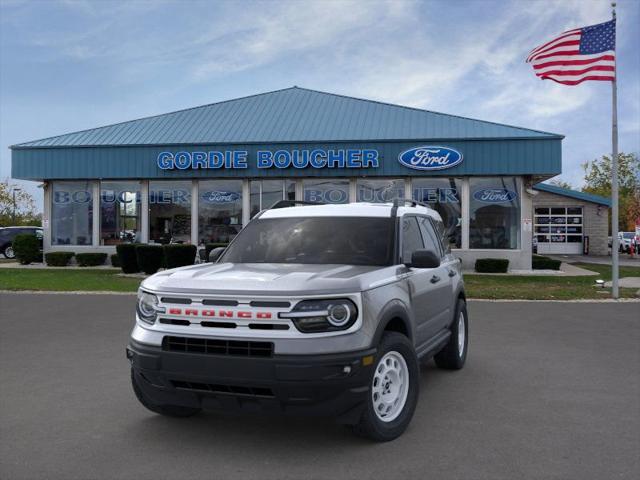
(209, 346)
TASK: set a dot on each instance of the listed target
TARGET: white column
(246, 201)
(465, 213)
(353, 194)
(144, 211)
(408, 188)
(299, 189)
(95, 241)
(46, 216)
(194, 212)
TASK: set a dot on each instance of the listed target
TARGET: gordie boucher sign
(417, 158)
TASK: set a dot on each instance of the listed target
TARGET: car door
(423, 287)
(443, 301)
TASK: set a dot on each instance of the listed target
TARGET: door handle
(435, 279)
(452, 273)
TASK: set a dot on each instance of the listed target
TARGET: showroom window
(219, 210)
(444, 196)
(379, 190)
(494, 213)
(264, 193)
(119, 212)
(71, 213)
(170, 212)
(326, 190)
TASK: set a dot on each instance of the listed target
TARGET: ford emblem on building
(220, 197)
(430, 158)
(495, 195)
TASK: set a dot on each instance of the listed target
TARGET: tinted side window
(411, 238)
(430, 239)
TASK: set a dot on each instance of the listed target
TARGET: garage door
(558, 229)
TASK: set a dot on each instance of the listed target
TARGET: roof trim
(277, 142)
(565, 192)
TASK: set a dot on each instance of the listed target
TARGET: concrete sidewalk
(624, 259)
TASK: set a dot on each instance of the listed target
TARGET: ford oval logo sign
(220, 197)
(495, 195)
(430, 158)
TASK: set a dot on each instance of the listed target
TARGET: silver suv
(312, 309)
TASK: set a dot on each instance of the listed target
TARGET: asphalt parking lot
(550, 390)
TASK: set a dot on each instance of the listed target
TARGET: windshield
(628, 234)
(318, 240)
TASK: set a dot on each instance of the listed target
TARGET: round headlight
(147, 306)
(339, 314)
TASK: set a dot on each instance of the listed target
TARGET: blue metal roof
(291, 115)
(565, 192)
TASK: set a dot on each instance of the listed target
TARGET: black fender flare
(393, 309)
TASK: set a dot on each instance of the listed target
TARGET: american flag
(577, 55)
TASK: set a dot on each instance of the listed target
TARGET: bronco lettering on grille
(192, 312)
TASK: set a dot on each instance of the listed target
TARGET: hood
(267, 279)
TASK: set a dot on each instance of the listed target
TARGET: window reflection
(71, 213)
(119, 212)
(326, 190)
(444, 196)
(219, 210)
(494, 213)
(170, 212)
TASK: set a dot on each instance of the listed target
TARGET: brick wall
(595, 226)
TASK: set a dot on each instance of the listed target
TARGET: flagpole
(614, 177)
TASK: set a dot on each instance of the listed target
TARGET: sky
(72, 65)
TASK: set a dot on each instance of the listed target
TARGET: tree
(597, 179)
(558, 182)
(25, 207)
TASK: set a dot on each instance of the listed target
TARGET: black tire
(449, 358)
(167, 410)
(372, 427)
(8, 252)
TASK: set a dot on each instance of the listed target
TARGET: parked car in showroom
(7, 234)
(311, 310)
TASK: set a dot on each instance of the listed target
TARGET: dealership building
(198, 175)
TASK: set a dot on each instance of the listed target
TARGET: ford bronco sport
(312, 309)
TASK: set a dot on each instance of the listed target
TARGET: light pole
(14, 203)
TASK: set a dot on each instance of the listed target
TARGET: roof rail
(292, 203)
(398, 202)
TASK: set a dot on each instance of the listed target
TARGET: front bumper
(333, 385)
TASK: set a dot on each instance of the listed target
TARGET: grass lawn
(478, 286)
(547, 287)
(63, 280)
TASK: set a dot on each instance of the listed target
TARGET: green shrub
(492, 265)
(149, 258)
(539, 262)
(90, 259)
(58, 259)
(115, 260)
(128, 257)
(27, 248)
(210, 246)
(177, 255)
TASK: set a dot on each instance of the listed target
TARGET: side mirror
(424, 259)
(215, 254)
